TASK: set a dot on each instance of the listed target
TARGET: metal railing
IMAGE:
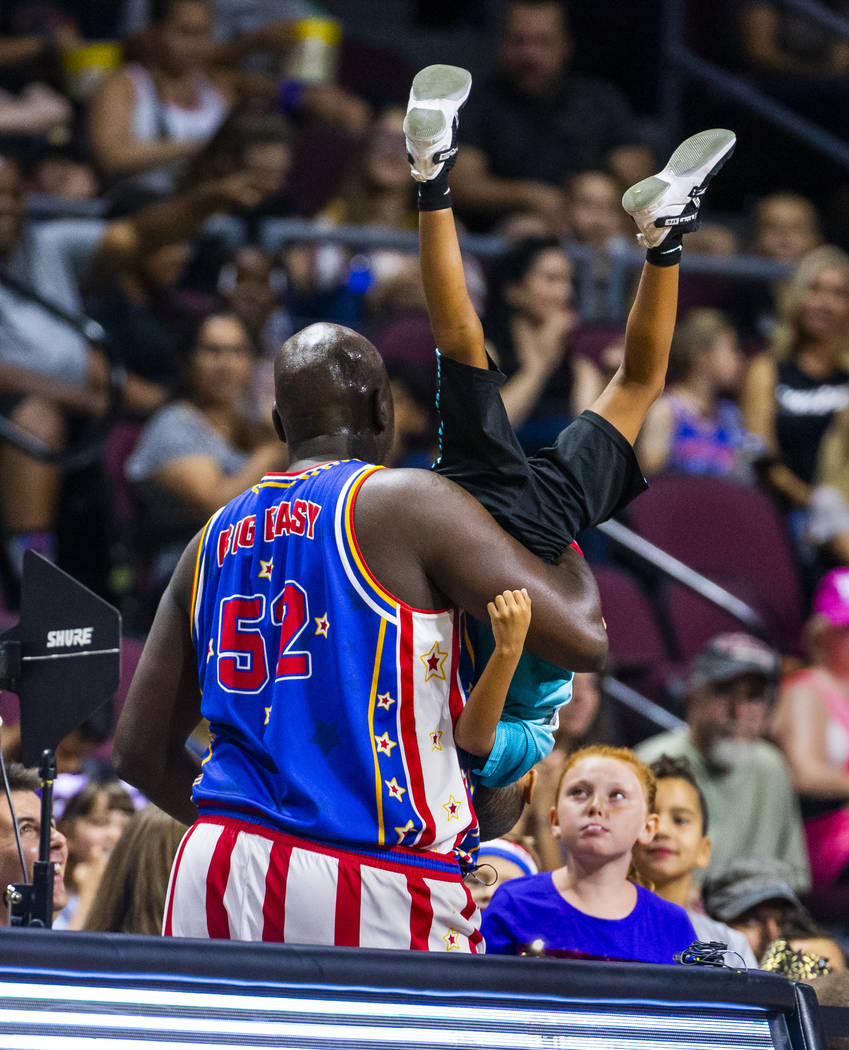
(681, 64)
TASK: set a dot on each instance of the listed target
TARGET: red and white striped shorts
(242, 881)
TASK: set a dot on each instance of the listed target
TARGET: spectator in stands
(350, 284)
(785, 227)
(262, 144)
(752, 806)
(142, 314)
(498, 861)
(792, 393)
(786, 46)
(529, 320)
(594, 209)
(533, 122)
(811, 726)
(202, 450)
(260, 34)
(37, 111)
(254, 289)
(696, 427)
(757, 898)
(680, 845)
(26, 804)
(131, 895)
(49, 373)
(64, 174)
(594, 218)
(590, 906)
(146, 121)
(92, 822)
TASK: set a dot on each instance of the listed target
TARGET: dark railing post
(671, 84)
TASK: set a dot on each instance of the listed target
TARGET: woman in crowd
(696, 426)
(590, 906)
(348, 284)
(92, 822)
(202, 450)
(793, 392)
(530, 319)
(132, 890)
(148, 119)
(811, 725)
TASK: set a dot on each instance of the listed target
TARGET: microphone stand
(31, 904)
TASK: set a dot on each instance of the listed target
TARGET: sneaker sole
(435, 84)
(697, 159)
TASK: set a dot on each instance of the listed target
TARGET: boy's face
(679, 844)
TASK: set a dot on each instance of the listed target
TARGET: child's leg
(664, 207)
(438, 93)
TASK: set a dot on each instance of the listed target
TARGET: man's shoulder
(767, 757)
(674, 742)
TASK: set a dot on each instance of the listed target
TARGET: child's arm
(510, 617)
(457, 329)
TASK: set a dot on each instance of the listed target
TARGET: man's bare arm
(431, 544)
(163, 704)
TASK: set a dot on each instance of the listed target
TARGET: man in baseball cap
(753, 808)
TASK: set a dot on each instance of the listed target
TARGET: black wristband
(435, 195)
(668, 252)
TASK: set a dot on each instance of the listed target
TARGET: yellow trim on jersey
(378, 784)
(278, 483)
(348, 517)
(198, 557)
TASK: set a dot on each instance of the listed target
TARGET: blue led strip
(70, 1015)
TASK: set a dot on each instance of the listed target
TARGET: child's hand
(510, 616)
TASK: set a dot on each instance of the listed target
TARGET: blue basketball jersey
(331, 703)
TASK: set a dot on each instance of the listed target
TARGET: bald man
(315, 622)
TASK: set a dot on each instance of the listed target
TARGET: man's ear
(650, 829)
(277, 423)
(382, 413)
(703, 856)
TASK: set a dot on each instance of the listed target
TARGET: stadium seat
(732, 533)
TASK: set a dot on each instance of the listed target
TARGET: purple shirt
(529, 909)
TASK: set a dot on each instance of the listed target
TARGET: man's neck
(323, 449)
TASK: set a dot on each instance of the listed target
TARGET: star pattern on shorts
(452, 807)
(384, 744)
(394, 788)
(385, 701)
(265, 568)
(267, 715)
(210, 651)
(452, 940)
(436, 739)
(403, 832)
(434, 661)
(322, 625)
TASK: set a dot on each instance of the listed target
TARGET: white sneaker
(673, 197)
(430, 126)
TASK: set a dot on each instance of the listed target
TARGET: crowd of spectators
(197, 112)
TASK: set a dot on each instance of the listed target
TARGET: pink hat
(832, 598)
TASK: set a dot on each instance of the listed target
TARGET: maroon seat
(638, 651)
(732, 533)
